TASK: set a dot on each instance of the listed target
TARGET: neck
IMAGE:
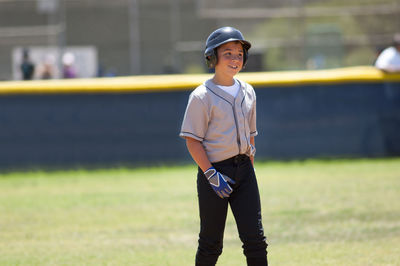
(223, 80)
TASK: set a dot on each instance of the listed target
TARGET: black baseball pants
(246, 208)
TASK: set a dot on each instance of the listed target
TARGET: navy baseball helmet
(218, 38)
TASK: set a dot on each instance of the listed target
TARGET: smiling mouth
(234, 67)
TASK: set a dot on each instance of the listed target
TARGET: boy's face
(230, 58)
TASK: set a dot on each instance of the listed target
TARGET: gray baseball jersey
(222, 123)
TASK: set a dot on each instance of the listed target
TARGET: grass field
(340, 212)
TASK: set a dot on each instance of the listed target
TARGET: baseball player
(219, 126)
(389, 59)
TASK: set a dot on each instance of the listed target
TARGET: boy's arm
(218, 181)
(252, 142)
(198, 153)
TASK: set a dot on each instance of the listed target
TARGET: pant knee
(208, 252)
(255, 248)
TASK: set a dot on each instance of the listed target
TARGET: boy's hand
(219, 182)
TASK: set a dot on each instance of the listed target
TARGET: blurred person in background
(389, 59)
(69, 71)
(378, 51)
(48, 69)
(27, 67)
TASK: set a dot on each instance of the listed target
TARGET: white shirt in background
(389, 60)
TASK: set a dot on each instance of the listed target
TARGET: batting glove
(219, 182)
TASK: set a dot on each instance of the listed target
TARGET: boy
(219, 126)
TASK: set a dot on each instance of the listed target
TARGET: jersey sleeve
(195, 120)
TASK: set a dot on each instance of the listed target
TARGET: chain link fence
(156, 36)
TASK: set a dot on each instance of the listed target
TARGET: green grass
(341, 212)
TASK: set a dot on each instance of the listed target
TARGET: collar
(209, 84)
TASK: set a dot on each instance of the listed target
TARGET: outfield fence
(348, 112)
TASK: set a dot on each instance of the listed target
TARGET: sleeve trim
(253, 134)
(190, 135)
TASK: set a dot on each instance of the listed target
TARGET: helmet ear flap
(245, 55)
(211, 58)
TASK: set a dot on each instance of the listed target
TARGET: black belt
(235, 159)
